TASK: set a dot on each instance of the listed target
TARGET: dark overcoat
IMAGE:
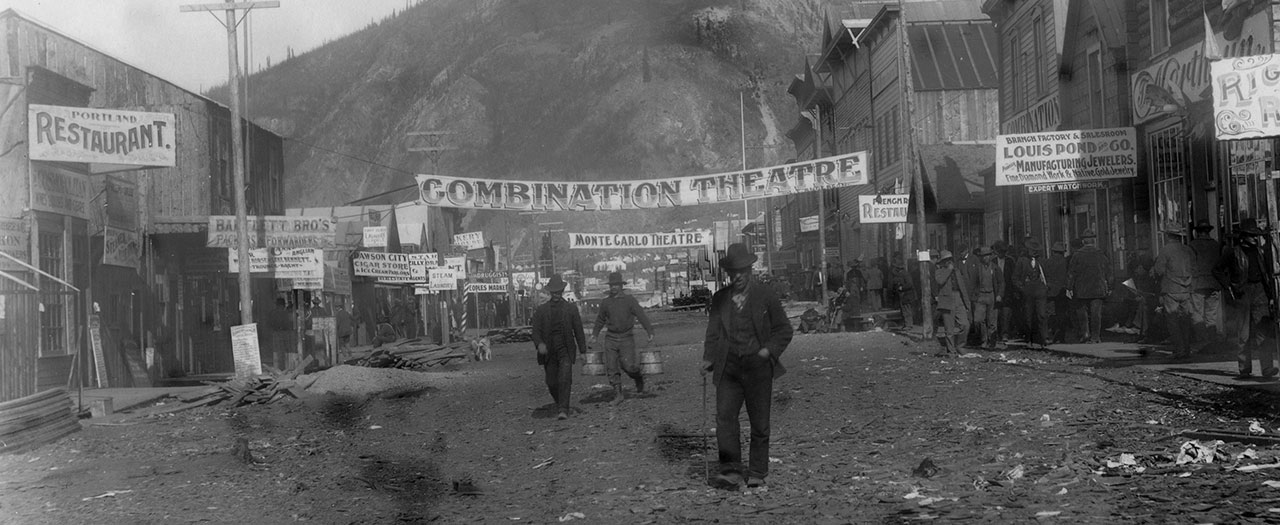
(769, 320)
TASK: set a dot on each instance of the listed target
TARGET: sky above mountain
(190, 49)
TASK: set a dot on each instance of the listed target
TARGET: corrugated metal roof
(954, 174)
(953, 56)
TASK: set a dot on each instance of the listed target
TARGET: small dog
(480, 350)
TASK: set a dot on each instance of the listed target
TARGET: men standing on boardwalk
(1055, 272)
(747, 331)
(987, 282)
(1173, 267)
(954, 303)
(1029, 278)
(1246, 268)
(558, 338)
(1088, 283)
(618, 315)
(1206, 290)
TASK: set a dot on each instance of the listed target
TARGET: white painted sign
(121, 247)
(809, 224)
(485, 288)
(524, 279)
(418, 264)
(1246, 97)
(375, 237)
(459, 264)
(381, 265)
(882, 208)
(628, 241)
(443, 278)
(106, 136)
(244, 350)
(273, 231)
(469, 240)
(59, 191)
(1066, 156)
(1057, 187)
(300, 263)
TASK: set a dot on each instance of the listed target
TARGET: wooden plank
(38, 407)
(40, 396)
(39, 436)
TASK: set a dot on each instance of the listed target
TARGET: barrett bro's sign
(104, 136)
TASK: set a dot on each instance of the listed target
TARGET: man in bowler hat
(747, 331)
(558, 338)
(618, 315)
(1246, 268)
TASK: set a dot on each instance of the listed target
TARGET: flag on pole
(1211, 49)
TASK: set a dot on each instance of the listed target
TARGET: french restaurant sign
(825, 173)
(883, 208)
(106, 136)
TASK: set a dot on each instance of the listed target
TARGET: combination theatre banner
(104, 136)
(1066, 156)
(825, 173)
(626, 241)
(1246, 97)
(882, 208)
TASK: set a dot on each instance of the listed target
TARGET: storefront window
(1169, 159)
(1247, 165)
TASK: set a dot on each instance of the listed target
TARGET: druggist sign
(273, 231)
(298, 263)
(104, 136)
(819, 174)
(1246, 97)
(883, 208)
(625, 241)
(1066, 156)
(392, 266)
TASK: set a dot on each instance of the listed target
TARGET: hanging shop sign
(15, 241)
(121, 247)
(809, 224)
(273, 231)
(627, 241)
(337, 278)
(418, 264)
(381, 265)
(122, 203)
(277, 263)
(469, 240)
(485, 288)
(375, 237)
(882, 208)
(1246, 97)
(459, 265)
(1058, 187)
(524, 279)
(104, 136)
(443, 279)
(1066, 156)
(59, 191)
(825, 173)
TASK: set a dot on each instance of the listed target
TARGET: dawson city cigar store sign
(104, 136)
(825, 173)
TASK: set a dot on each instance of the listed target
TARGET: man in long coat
(747, 331)
(1088, 283)
(618, 315)
(1206, 290)
(954, 301)
(1247, 267)
(987, 283)
(1030, 280)
(1175, 268)
(558, 338)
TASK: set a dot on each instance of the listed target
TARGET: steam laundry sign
(273, 231)
(1246, 97)
(299, 263)
(1066, 156)
(104, 136)
(624, 241)
(882, 208)
(825, 173)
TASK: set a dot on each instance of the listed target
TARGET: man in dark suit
(558, 337)
(747, 331)
(954, 302)
(1089, 283)
(1032, 283)
(1246, 268)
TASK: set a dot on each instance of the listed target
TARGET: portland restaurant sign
(819, 174)
(104, 136)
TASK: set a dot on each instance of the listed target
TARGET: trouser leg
(612, 359)
(627, 355)
(730, 396)
(552, 376)
(758, 395)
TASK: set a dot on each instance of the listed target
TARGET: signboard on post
(59, 191)
(1066, 156)
(485, 288)
(809, 224)
(107, 136)
(458, 264)
(375, 237)
(443, 279)
(381, 265)
(301, 263)
(1245, 97)
(121, 247)
(469, 240)
(95, 340)
(15, 241)
(244, 350)
(627, 241)
(874, 209)
(273, 231)
(418, 264)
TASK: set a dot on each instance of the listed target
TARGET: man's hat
(616, 278)
(1059, 247)
(555, 284)
(983, 251)
(737, 257)
(1249, 227)
(1034, 245)
(1088, 234)
(1203, 225)
(946, 254)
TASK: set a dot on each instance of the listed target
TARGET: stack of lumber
(261, 389)
(515, 334)
(35, 420)
(412, 355)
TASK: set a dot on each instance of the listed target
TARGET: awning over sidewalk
(954, 176)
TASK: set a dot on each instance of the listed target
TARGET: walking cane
(706, 440)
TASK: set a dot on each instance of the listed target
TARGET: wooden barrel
(593, 364)
(651, 363)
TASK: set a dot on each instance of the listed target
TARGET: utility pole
(237, 139)
(432, 144)
(909, 166)
(742, 126)
(822, 213)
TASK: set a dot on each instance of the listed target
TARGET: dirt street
(868, 428)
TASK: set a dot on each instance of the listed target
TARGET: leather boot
(617, 395)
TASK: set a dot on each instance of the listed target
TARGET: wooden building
(127, 292)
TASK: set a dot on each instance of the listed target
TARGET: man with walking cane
(747, 331)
